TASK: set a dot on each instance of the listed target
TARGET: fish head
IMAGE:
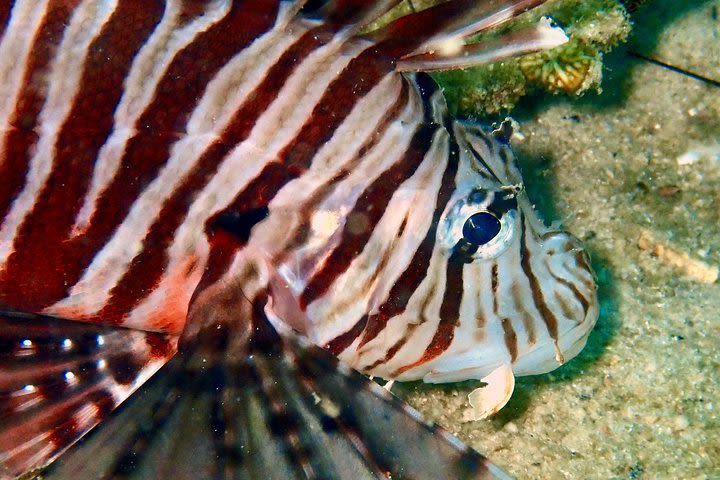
(524, 282)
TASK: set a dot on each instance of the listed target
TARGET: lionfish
(198, 195)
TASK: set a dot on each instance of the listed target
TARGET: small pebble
(510, 427)
(681, 422)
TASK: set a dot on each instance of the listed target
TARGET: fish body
(238, 177)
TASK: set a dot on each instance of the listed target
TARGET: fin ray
(288, 412)
(59, 378)
(542, 36)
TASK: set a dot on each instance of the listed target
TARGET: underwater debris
(691, 156)
(676, 69)
(692, 268)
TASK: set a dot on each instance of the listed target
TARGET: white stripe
(224, 95)
(278, 126)
(148, 68)
(64, 83)
(349, 296)
(25, 21)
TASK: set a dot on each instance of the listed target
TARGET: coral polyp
(571, 68)
(594, 28)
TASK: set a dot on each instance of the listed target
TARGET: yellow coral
(571, 68)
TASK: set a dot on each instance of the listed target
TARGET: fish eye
(480, 225)
(480, 228)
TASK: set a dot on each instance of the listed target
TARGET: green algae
(594, 28)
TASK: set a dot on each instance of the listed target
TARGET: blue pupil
(480, 228)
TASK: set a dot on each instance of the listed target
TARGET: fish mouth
(570, 295)
(543, 358)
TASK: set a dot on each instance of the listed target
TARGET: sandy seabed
(641, 159)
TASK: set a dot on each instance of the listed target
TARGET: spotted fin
(287, 410)
(59, 378)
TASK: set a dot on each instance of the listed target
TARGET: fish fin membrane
(454, 56)
(452, 21)
(436, 38)
(59, 378)
(276, 413)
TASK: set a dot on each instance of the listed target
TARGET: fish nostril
(560, 242)
(569, 250)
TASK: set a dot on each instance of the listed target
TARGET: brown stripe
(494, 286)
(567, 310)
(65, 433)
(178, 91)
(482, 167)
(578, 295)
(510, 338)
(104, 402)
(86, 129)
(449, 316)
(480, 320)
(146, 269)
(125, 367)
(338, 344)
(581, 258)
(392, 351)
(537, 294)
(160, 346)
(19, 142)
(5, 9)
(369, 209)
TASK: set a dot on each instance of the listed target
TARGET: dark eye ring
(480, 228)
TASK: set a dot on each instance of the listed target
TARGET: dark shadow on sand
(540, 186)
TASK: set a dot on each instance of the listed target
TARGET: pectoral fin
(286, 410)
(490, 398)
(59, 378)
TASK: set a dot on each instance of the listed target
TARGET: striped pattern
(118, 165)
(165, 162)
